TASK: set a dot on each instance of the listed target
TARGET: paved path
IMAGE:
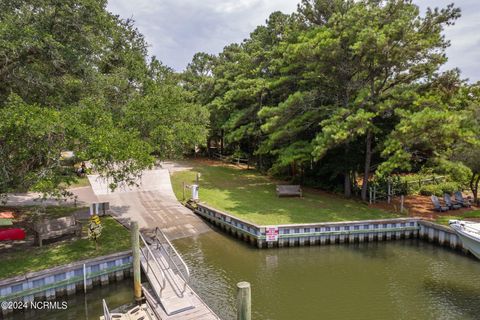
(85, 196)
(152, 204)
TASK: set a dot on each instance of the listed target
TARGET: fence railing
(231, 159)
(390, 189)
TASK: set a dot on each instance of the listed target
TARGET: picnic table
(54, 228)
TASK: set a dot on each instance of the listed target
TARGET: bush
(409, 184)
(454, 171)
(439, 189)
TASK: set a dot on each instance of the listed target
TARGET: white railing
(174, 260)
(149, 256)
(151, 302)
(106, 312)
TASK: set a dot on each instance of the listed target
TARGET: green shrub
(431, 189)
(455, 171)
(439, 189)
(414, 183)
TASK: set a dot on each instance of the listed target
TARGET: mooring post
(402, 198)
(137, 281)
(84, 278)
(244, 301)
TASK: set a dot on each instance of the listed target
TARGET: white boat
(469, 233)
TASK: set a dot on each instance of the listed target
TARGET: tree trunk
(222, 133)
(368, 160)
(294, 170)
(474, 186)
(347, 185)
(347, 182)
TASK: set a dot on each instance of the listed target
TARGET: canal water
(81, 306)
(402, 279)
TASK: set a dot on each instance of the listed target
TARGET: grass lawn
(114, 238)
(466, 215)
(79, 182)
(251, 196)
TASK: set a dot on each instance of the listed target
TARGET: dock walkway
(170, 296)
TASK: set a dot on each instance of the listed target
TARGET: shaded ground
(251, 196)
(19, 257)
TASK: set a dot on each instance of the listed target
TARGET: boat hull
(470, 238)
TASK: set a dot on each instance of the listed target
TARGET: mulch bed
(420, 206)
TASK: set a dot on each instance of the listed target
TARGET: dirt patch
(24, 219)
(213, 163)
(419, 206)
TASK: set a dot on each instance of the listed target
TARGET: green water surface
(81, 306)
(404, 279)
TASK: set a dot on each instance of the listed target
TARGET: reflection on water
(84, 307)
(407, 279)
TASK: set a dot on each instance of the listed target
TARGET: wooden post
(84, 279)
(137, 281)
(183, 184)
(244, 301)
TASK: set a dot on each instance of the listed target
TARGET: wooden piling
(183, 184)
(137, 281)
(244, 301)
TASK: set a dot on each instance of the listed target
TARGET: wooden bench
(54, 228)
(289, 191)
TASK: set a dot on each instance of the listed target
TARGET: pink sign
(271, 233)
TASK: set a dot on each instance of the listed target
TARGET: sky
(177, 29)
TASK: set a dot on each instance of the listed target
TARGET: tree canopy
(340, 90)
(75, 77)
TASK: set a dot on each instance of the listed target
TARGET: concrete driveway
(152, 203)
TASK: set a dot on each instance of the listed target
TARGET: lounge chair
(460, 200)
(450, 204)
(436, 204)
